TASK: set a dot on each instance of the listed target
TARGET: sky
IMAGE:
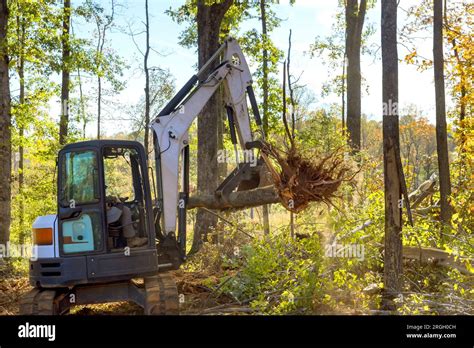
(306, 18)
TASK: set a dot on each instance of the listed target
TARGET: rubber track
(161, 295)
(38, 302)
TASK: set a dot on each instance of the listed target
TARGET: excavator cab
(105, 224)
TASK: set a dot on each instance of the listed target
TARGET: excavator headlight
(42, 236)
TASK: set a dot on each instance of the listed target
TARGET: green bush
(279, 275)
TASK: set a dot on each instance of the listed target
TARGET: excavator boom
(228, 67)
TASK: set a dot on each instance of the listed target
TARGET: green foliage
(35, 45)
(39, 193)
(433, 290)
(279, 275)
(325, 123)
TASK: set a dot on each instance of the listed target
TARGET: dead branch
(423, 191)
(285, 121)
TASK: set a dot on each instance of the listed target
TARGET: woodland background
(263, 260)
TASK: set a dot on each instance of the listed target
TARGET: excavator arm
(170, 128)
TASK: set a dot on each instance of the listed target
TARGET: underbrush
(278, 275)
(271, 274)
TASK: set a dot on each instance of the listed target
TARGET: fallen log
(436, 256)
(425, 255)
(296, 178)
(236, 200)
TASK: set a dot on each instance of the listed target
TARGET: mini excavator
(120, 226)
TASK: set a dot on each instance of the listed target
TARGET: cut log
(236, 200)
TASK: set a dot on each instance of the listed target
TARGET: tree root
(300, 180)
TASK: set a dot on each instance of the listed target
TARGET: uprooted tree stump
(300, 180)
(297, 181)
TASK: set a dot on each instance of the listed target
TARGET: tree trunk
(264, 66)
(209, 18)
(81, 103)
(237, 200)
(391, 141)
(147, 79)
(21, 131)
(5, 130)
(265, 208)
(355, 15)
(99, 102)
(64, 121)
(441, 133)
(343, 93)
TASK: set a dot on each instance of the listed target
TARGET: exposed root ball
(301, 180)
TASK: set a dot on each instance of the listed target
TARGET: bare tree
(441, 133)
(5, 129)
(392, 180)
(102, 28)
(293, 120)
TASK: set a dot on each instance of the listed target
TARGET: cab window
(79, 178)
(80, 186)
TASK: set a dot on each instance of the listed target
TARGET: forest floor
(199, 291)
(199, 299)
